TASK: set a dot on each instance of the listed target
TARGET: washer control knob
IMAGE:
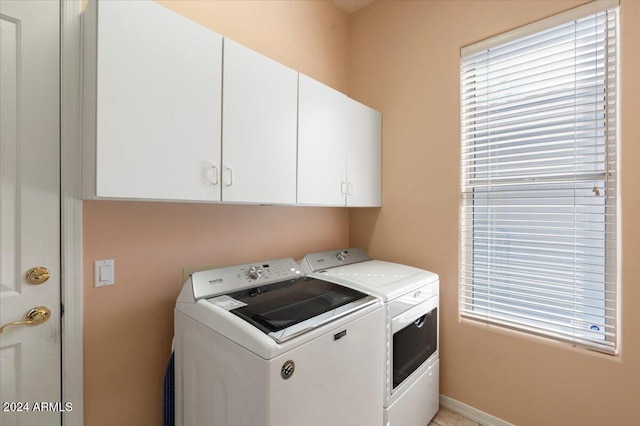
(341, 257)
(255, 273)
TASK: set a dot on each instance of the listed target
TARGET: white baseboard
(471, 413)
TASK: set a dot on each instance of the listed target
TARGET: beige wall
(308, 36)
(404, 58)
(128, 327)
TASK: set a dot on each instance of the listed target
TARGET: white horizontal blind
(539, 183)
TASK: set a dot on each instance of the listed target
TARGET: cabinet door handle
(215, 179)
(229, 170)
(342, 188)
(349, 188)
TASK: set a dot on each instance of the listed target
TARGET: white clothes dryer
(411, 298)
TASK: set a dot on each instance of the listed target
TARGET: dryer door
(415, 339)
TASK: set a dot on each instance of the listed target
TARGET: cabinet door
(154, 83)
(258, 128)
(364, 157)
(323, 136)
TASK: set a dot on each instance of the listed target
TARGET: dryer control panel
(225, 280)
(315, 262)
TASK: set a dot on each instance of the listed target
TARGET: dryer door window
(413, 345)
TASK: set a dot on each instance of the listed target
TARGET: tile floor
(445, 417)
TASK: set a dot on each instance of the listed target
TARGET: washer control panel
(268, 272)
(225, 280)
(315, 262)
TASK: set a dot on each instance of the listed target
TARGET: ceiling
(351, 6)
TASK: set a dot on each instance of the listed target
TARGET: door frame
(71, 283)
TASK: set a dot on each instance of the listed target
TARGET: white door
(29, 211)
(259, 120)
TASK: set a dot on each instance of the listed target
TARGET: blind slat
(555, 308)
(550, 272)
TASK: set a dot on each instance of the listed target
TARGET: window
(539, 190)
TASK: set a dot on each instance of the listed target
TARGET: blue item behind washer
(168, 413)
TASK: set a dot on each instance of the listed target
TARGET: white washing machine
(410, 295)
(264, 345)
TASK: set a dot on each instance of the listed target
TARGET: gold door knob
(37, 275)
(35, 316)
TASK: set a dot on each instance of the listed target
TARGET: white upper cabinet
(364, 157)
(171, 111)
(338, 148)
(258, 128)
(323, 137)
(151, 108)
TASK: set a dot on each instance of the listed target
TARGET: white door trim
(71, 210)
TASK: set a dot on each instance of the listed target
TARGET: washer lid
(385, 279)
(289, 308)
